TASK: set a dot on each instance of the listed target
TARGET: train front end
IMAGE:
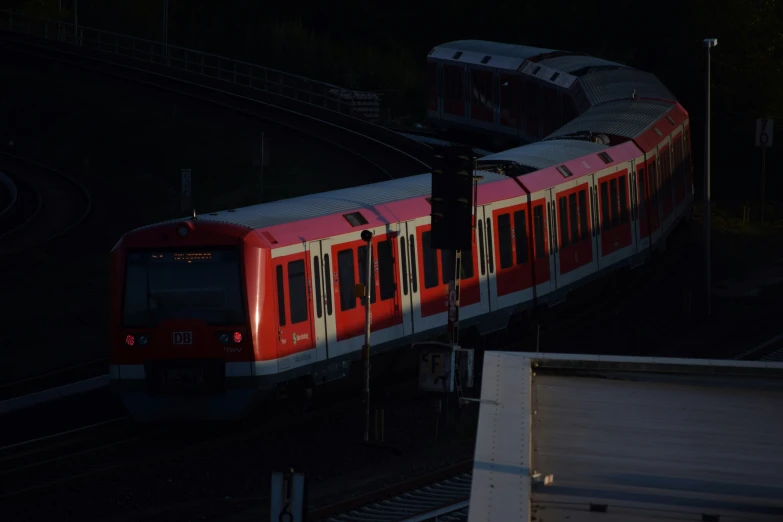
(183, 346)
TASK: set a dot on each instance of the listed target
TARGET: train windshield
(192, 284)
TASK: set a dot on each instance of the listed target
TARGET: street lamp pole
(708, 44)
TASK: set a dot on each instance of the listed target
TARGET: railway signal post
(364, 292)
(708, 43)
(764, 128)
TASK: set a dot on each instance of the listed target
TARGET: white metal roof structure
(628, 439)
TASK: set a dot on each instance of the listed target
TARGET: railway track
(50, 204)
(387, 154)
(442, 495)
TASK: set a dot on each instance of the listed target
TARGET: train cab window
(280, 294)
(328, 284)
(563, 222)
(404, 261)
(623, 201)
(490, 249)
(573, 218)
(481, 245)
(361, 255)
(319, 308)
(520, 236)
(297, 291)
(583, 214)
(430, 260)
(504, 241)
(386, 269)
(414, 275)
(345, 271)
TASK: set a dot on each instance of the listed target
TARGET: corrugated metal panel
(545, 154)
(627, 118)
(574, 63)
(496, 49)
(334, 202)
(619, 84)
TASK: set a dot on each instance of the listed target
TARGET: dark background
(382, 46)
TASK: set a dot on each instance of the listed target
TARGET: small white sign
(436, 361)
(764, 129)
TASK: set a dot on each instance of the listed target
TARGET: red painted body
(574, 231)
(614, 210)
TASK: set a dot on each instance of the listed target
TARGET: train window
(280, 295)
(520, 236)
(430, 259)
(490, 249)
(386, 269)
(573, 217)
(504, 241)
(345, 271)
(486, 59)
(613, 199)
(538, 222)
(355, 219)
(623, 201)
(563, 222)
(583, 214)
(328, 284)
(297, 291)
(414, 274)
(319, 308)
(481, 245)
(606, 223)
(404, 263)
(361, 254)
(565, 171)
(482, 88)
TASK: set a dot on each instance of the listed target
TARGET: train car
(521, 94)
(210, 314)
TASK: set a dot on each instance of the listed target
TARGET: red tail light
(130, 340)
(237, 337)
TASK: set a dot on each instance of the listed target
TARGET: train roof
(626, 118)
(647, 438)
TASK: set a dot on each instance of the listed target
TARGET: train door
(295, 343)
(434, 272)
(575, 252)
(409, 282)
(616, 240)
(350, 255)
(642, 211)
(653, 186)
(486, 265)
(518, 249)
(320, 283)
(667, 182)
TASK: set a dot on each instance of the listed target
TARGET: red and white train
(209, 314)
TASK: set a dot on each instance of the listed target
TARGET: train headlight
(224, 338)
(182, 230)
(143, 340)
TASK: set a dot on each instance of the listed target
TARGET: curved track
(51, 204)
(389, 154)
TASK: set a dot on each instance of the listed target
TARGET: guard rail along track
(284, 94)
(443, 496)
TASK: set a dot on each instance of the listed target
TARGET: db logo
(182, 338)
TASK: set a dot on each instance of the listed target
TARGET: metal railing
(356, 103)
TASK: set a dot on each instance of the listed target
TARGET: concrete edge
(52, 394)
